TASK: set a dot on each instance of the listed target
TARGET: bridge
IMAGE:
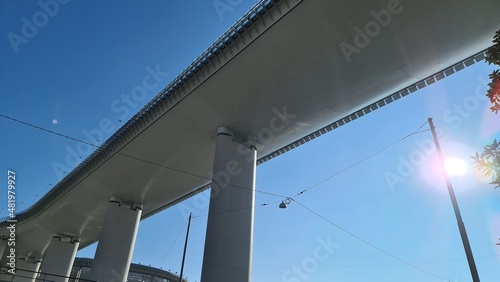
(287, 72)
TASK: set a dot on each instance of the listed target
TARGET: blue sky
(76, 69)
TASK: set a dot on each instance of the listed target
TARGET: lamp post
(461, 226)
(185, 248)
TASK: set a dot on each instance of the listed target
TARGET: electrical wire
(232, 185)
(300, 193)
(366, 242)
(271, 194)
(363, 160)
(176, 238)
(47, 130)
(204, 177)
(221, 183)
(139, 159)
(244, 208)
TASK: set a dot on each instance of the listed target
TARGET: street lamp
(284, 204)
(461, 226)
(185, 248)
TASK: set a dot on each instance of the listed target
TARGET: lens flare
(455, 166)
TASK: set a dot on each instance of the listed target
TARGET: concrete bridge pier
(27, 269)
(59, 257)
(116, 243)
(229, 237)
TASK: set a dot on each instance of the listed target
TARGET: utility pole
(461, 226)
(185, 248)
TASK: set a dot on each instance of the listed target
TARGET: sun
(455, 166)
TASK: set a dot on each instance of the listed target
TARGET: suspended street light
(285, 203)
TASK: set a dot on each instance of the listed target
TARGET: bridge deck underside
(292, 80)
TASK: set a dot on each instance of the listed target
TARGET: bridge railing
(236, 30)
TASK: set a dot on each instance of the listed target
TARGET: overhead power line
(177, 237)
(139, 159)
(272, 194)
(368, 243)
(47, 130)
(213, 180)
(362, 160)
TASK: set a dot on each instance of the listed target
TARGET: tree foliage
(489, 160)
(494, 91)
(493, 57)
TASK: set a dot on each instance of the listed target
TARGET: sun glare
(455, 166)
